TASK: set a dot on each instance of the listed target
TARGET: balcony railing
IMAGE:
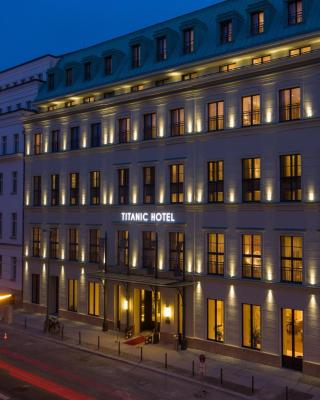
(216, 123)
(290, 113)
(294, 275)
(251, 272)
(177, 129)
(215, 268)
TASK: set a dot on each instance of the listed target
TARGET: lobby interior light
(167, 312)
(125, 304)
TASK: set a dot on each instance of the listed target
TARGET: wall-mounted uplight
(167, 314)
(125, 304)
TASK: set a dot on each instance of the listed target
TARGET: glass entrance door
(147, 310)
(292, 339)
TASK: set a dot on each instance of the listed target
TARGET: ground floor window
(94, 298)
(35, 288)
(216, 320)
(251, 326)
(73, 295)
(292, 338)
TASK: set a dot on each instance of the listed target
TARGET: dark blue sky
(30, 28)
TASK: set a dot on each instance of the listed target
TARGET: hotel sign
(156, 217)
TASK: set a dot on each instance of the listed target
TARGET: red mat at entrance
(135, 341)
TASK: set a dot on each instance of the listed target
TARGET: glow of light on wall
(63, 197)
(26, 251)
(135, 195)
(232, 266)
(44, 198)
(269, 193)
(26, 267)
(83, 254)
(313, 301)
(269, 116)
(231, 196)
(198, 288)
(28, 147)
(311, 195)
(27, 198)
(104, 200)
(135, 132)
(44, 250)
(232, 121)
(134, 259)
(312, 277)
(167, 312)
(189, 195)
(43, 268)
(270, 296)
(82, 271)
(232, 292)
(189, 264)
(84, 140)
(46, 145)
(64, 143)
(160, 261)
(190, 125)
(199, 265)
(111, 197)
(309, 111)
(83, 197)
(111, 135)
(161, 195)
(199, 124)
(105, 135)
(62, 252)
(62, 272)
(269, 273)
(199, 195)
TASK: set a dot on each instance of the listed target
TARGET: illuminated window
(290, 177)
(216, 116)
(292, 338)
(176, 183)
(137, 88)
(177, 122)
(54, 243)
(94, 246)
(55, 190)
(257, 23)
(251, 110)
(251, 174)
(123, 249)
(74, 189)
(188, 77)
(94, 298)
(136, 56)
(291, 259)
(95, 188)
(73, 295)
(176, 252)
(96, 134)
(149, 126)
(123, 186)
(35, 288)
(227, 67)
(124, 130)
(251, 326)
(251, 256)
(162, 52)
(148, 185)
(36, 241)
(37, 191)
(69, 103)
(290, 104)
(37, 143)
(295, 12)
(216, 320)
(226, 31)
(188, 41)
(215, 182)
(216, 253)
(300, 51)
(88, 99)
(261, 60)
(149, 250)
(74, 138)
(73, 244)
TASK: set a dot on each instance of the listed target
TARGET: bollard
(25, 323)
(141, 349)
(287, 393)
(252, 384)
(98, 342)
(119, 348)
(193, 368)
(221, 376)
(166, 361)
(62, 332)
(79, 338)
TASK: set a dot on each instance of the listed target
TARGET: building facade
(172, 183)
(18, 88)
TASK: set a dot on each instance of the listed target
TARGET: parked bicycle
(52, 325)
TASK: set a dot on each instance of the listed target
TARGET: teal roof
(206, 24)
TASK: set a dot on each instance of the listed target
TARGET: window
(215, 182)
(94, 298)
(251, 256)
(37, 143)
(52, 107)
(162, 48)
(124, 130)
(73, 295)
(290, 177)
(123, 186)
(73, 244)
(291, 259)
(55, 190)
(257, 23)
(108, 65)
(216, 116)
(290, 104)
(136, 56)
(176, 183)
(251, 326)
(69, 103)
(226, 31)
(16, 144)
(137, 88)
(150, 126)
(14, 182)
(36, 241)
(161, 82)
(148, 185)
(189, 76)
(51, 81)
(69, 76)
(35, 288)
(216, 253)
(149, 250)
(1, 183)
(74, 188)
(13, 225)
(4, 145)
(74, 138)
(261, 60)
(177, 122)
(251, 174)
(88, 99)
(95, 188)
(188, 41)
(123, 249)
(295, 12)
(94, 247)
(87, 71)
(54, 243)
(300, 51)
(227, 67)
(251, 110)
(95, 134)
(176, 252)
(216, 320)
(55, 139)
(292, 335)
(37, 191)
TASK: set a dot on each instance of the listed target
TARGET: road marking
(4, 397)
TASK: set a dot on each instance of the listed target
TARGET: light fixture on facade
(125, 305)
(167, 314)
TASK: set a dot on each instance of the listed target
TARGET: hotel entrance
(292, 339)
(148, 306)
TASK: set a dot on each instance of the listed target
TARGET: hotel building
(172, 183)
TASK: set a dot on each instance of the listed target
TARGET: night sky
(31, 28)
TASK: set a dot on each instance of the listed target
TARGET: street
(33, 368)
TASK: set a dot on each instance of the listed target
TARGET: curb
(135, 364)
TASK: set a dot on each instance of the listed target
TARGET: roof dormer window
(162, 53)
(51, 81)
(295, 12)
(108, 65)
(226, 31)
(136, 56)
(257, 23)
(69, 76)
(88, 71)
(188, 41)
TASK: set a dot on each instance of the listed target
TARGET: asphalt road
(32, 368)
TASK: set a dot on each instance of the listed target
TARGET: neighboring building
(191, 149)
(18, 88)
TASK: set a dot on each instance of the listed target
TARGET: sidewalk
(269, 382)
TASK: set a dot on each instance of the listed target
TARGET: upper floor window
(291, 259)
(108, 65)
(13, 225)
(176, 183)
(95, 134)
(226, 31)
(4, 145)
(54, 243)
(162, 48)
(55, 192)
(73, 244)
(74, 189)
(37, 139)
(188, 41)
(87, 71)
(94, 245)
(215, 182)
(251, 256)
(16, 143)
(216, 253)
(251, 175)
(290, 177)
(149, 185)
(216, 320)
(257, 23)
(261, 60)
(74, 138)
(251, 326)
(251, 110)
(149, 250)
(123, 249)
(123, 186)
(176, 252)
(300, 51)
(227, 67)
(137, 88)
(14, 182)
(216, 116)
(36, 241)
(136, 55)
(150, 126)
(55, 141)
(37, 191)
(95, 188)
(69, 76)
(189, 76)
(124, 130)
(295, 12)
(290, 104)
(177, 122)
(51, 81)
